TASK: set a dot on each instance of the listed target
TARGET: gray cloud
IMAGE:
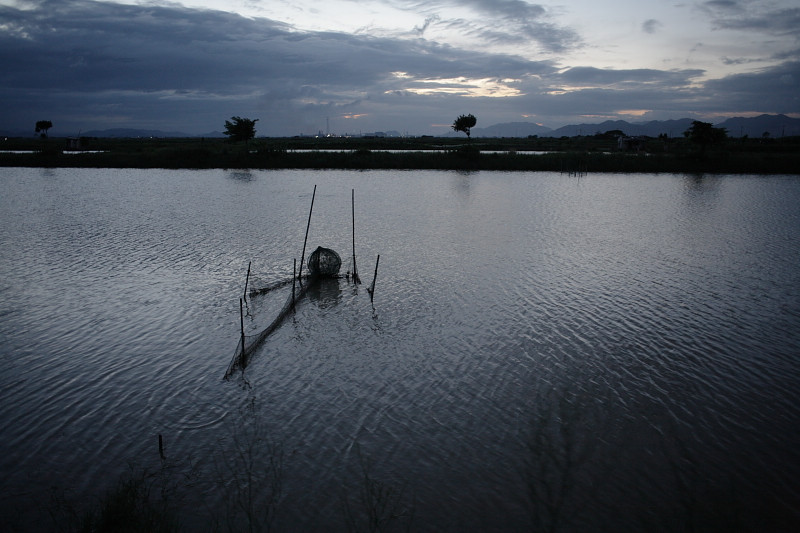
(651, 25)
(420, 30)
(723, 4)
(500, 22)
(778, 87)
(753, 16)
(650, 77)
(92, 65)
(785, 21)
(148, 63)
(738, 60)
(788, 54)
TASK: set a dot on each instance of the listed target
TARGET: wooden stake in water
(294, 279)
(371, 290)
(356, 279)
(303, 255)
(247, 279)
(241, 320)
(161, 447)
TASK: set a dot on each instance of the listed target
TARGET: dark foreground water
(544, 352)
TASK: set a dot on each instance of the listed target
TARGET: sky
(358, 66)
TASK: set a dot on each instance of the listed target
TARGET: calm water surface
(611, 352)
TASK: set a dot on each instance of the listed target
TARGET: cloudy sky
(350, 66)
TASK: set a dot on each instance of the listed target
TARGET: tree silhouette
(42, 126)
(240, 129)
(704, 134)
(464, 123)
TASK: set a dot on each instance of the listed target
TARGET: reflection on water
(608, 353)
(326, 293)
(241, 175)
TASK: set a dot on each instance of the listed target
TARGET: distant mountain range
(773, 125)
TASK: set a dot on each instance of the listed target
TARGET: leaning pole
(303, 255)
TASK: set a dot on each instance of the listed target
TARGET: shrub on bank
(568, 155)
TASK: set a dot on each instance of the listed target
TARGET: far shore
(597, 153)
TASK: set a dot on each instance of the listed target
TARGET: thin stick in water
(303, 255)
(371, 290)
(247, 279)
(356, 279)
(241, 320)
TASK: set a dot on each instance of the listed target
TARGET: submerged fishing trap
(322, 263)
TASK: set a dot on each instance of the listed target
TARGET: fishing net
(241, 356)
(322, 263)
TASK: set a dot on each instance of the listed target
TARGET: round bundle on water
(324, 262)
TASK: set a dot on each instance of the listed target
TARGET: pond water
(543, 352)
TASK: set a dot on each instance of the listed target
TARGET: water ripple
(637, 322)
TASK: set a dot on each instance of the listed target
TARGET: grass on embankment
(576, 154)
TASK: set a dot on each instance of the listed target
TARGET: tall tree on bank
(240, 129)
(465, 123)
(42, 126)
(705, 134)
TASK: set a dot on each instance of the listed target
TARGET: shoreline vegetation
(574, 155)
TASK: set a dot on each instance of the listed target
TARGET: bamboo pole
(356, 279)
(247, 279)
(241, 321)
(303, 255)
(294, 279)
(371, 290)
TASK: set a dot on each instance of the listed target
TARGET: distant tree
(240, 129)
(705, 134)
(465, 123)
(42, 126)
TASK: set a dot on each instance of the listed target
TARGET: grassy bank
(573, 154)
